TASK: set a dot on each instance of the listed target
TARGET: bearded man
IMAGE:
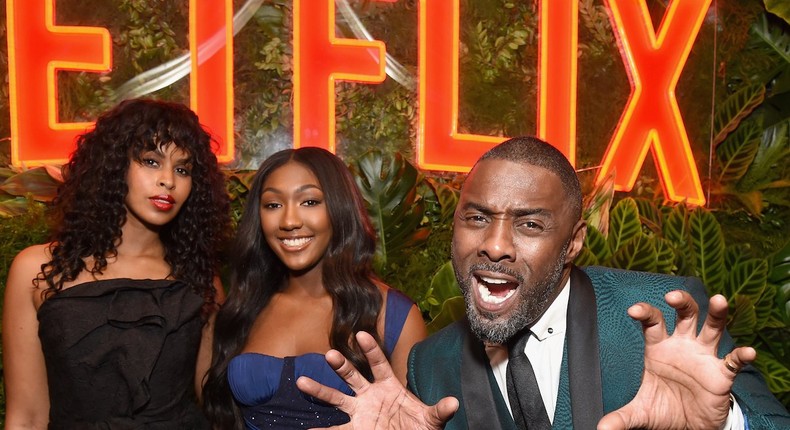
(548, 345)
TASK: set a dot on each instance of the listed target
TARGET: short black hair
(535, 152)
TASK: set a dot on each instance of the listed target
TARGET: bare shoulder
(27, 264)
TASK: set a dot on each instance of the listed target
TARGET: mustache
(496, 268)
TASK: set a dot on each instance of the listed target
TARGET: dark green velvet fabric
(434, 364)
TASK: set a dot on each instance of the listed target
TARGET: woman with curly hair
(108, 325)
(301, 283)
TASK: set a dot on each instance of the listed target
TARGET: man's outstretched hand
(685, 384)
(382, 404)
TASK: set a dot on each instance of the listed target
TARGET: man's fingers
(652, 321)
(323, 393)
(442, 412)
(379, 365)
(687, 311)
(737, 359)
(715, 322)
(615, 420)
(346, 370)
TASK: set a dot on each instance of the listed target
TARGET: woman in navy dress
(301, 284)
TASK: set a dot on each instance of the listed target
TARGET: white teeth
(493, 280)
(486, 296)
(299, 241)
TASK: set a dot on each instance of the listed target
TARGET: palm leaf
(707, 245)
(624, 223)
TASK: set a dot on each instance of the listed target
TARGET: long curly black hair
(257, 274)
(90, 210)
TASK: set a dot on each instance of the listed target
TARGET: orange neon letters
(37, 49)
(319, 59)
(211, 79)
(439, 145)
(559, 32)
(651, 119)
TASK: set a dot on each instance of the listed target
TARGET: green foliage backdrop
(734, 96)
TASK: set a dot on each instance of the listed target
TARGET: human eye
(183, 171)
(311, 202)
(270, 205)
(530, 226)
(475, 218)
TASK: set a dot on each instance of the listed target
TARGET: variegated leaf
(639, 253)
(737, 107)
(707, 245)
(742, 320)
(597, 245)
(624, 223)
(665, 256)
(586, 258)
(765, 306)
(737, 152)
(748, 279)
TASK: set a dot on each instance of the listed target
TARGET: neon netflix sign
(650, 122)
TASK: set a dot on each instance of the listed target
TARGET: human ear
(577, 241)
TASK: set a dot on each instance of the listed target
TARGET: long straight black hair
(257, 274)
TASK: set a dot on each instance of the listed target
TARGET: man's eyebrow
(516, 213)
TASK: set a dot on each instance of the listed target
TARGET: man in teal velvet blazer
(518, 227)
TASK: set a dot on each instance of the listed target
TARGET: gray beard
(533, 301)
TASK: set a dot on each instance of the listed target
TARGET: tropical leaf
(773, 35)
(586, 258)
(597, 245)
(444, 285)
(598, 203)
(765, 305)
(675, 226)
(777, 374)
(748, 279)
(737, 152)
(665, 256)
(14, 207)
(735, 254)
(774, 149)
(737, 107)
(707, 245)
(649, 214)
(742, 319)
(389, 186)
(624, 223)
(453, 309)
(34, 182)
(446, 197)
(639, 253)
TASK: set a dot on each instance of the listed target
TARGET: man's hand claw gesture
(382, 404)
(685, 384)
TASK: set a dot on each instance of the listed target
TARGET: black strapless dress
(121, 353)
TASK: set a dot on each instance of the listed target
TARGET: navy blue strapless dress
(264, 387)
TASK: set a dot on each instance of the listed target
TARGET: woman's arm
(413, 331)
(204, 353)
(27, 395)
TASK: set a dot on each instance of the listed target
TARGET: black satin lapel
(584, 368)
(481, 412)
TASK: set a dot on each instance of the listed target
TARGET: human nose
(290, 219)
(166, 179)
(497, 245)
